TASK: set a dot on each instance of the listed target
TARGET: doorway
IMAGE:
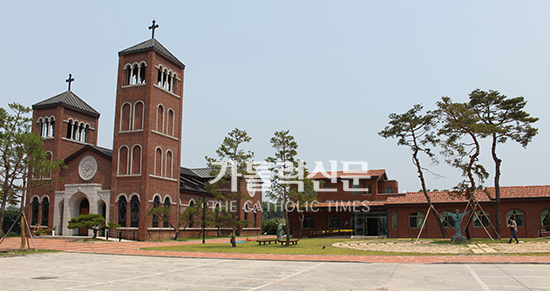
(84, 209)
(369, 224)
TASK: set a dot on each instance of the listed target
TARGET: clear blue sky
(328, 71)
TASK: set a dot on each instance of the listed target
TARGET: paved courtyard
(85, 271)
(427, 247)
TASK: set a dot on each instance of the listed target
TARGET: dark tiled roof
(107, 153)
(69, 100)
(344, 174)
(202, 172)
(152, 45)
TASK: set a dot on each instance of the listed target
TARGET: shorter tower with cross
(69, 80)
(153, 27)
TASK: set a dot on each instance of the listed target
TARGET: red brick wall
(530, 207)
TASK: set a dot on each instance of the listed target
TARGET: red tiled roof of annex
(481, 195)
(344, 174)
(340, 204)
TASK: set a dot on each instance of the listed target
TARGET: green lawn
(311, 246)
(23, 252)
(314, 246)
(189, 238)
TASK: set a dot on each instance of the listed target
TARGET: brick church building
(141, 171)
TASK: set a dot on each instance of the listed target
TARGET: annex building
(141, 171)
(367, 203)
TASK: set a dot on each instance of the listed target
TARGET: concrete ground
(89, 271)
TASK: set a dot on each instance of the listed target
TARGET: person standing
(513, 226)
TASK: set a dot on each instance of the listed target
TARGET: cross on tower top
(70, 80)
(153, 27)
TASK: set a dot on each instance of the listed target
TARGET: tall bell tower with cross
(147, 134)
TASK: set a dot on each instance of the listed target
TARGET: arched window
(174, 76)
(122, 209)
(545, 217)
(169, 165)
(70, 129)
(81, 133)
(136, 160)
(164, 78)
(45, 211)
(416, 219)
(170, 125)
(138, 115)
(516, 215)
(166, 205)
(40, 126)
(158, 162)
(75, 130)
(159, 78)
(123, 158)
(309, 222)
(125, 116)
(35, 208)
(86, 132)
(334, 221)
(52, 126)
(142, 66)
(484, 217)
(134, 211)
(191, 218)
(156, 203)
(160, 118)
(394, 220)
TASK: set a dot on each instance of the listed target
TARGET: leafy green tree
(22, 159)
(507, 119)
(271, 211)
(284, 163)
(230, 153)
(304, 199)
(163, 214)
(12, 213)
(461, 148)
(416, 131)
(91, 221)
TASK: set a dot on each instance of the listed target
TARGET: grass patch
(90, 240)
(10, 253)
(304, 247)
(189, 238)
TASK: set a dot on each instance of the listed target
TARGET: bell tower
(147, 133)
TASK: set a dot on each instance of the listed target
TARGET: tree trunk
(497, 184)
(423, 184)
(301, 218)
(233, 241)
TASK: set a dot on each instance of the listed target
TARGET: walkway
(135, 248)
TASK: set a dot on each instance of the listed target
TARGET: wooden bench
(332, 232)
(544, 233)
(292, 241)
(266, 240)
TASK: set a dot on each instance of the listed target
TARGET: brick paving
(135, 248)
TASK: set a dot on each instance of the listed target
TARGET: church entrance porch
(78, 199)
